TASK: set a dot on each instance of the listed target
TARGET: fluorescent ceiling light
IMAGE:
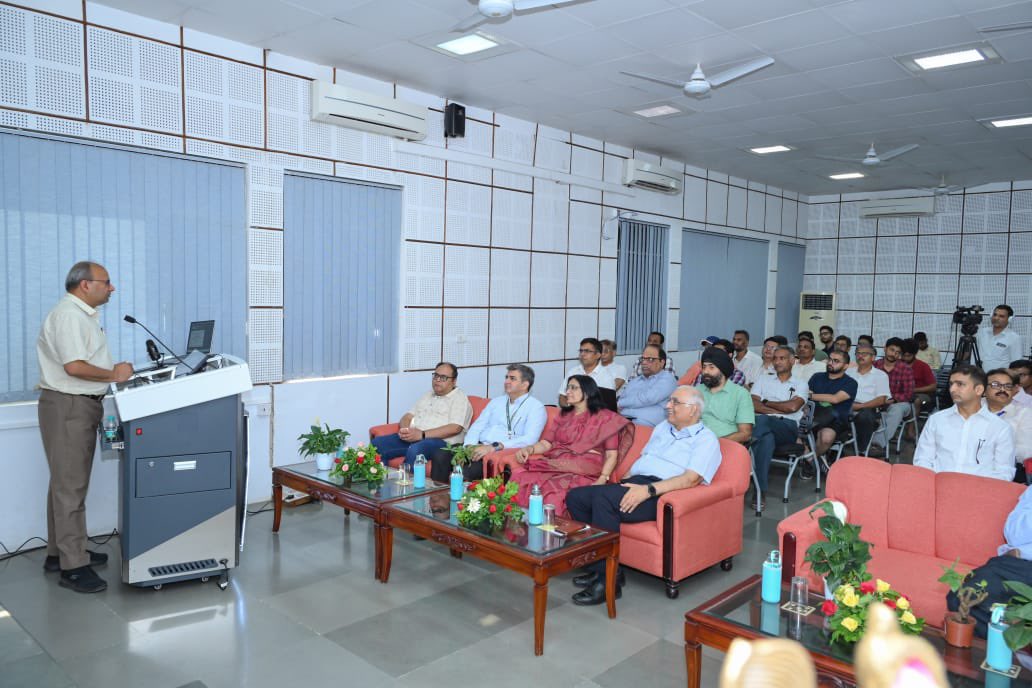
(949, 59)
(467, 45)
(958, 56)
(657, 111)
(847, 175)
(770, 149)
(1012, 122)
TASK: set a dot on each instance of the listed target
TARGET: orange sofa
(478, 404)
(918, 521)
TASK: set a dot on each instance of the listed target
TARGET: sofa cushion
(911, 522)
(969, 514)
(860, 483)
(916, 576)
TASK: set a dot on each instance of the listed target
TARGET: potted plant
(322, 443)
(360, 463)
(462, 454)
(959, 625)
(842, 557)
(1019, 615)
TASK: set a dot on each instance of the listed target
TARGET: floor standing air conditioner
(816, 309)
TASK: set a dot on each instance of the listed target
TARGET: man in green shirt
(728, 408)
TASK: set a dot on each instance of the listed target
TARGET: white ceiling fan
(943, 189)
(872, 157)
(502, 9)
(698, 86)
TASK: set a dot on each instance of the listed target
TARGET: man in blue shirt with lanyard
(681, 454)
(510, 421)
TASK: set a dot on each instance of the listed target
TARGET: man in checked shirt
(901, 386)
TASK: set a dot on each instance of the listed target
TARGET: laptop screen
(201, 332)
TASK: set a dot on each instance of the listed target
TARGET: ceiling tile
(732, 15)
(605, 12)
(839, 52)
(863, 16)
(719, 49)
(900, 88)
(407, 18)
(1015, 46)
(860, 73)
(535, 28)
(931, 35)
(585, 49)
(791, 32)
(663, 28)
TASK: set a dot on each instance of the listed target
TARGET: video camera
(968, 318)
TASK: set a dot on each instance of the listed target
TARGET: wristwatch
(496, 445)
(652, 489)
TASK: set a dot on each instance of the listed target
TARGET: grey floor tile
(15, 642)
(38, 671)
(662, 662)
(131, 665)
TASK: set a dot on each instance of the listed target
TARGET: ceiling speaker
(454, 120)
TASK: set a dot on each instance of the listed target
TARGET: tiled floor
(303, 608)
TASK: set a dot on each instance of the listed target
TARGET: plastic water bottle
(770, 587)
(110, 429)
(455, 484)
(419, 472)
(536, 508)
(997, 654)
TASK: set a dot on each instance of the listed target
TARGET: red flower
(492, 508)
(891, 604)
(508, 507)
(490, 495)
(336, 461)
(377, 459)
(829, 607)
(513, 499)
(359, 460)
(473, 485)
(461, 506)
(867, 587)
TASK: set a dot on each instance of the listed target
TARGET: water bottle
(455, 484)
(770, 587)
(536, 509)
(997, 654)
(110, 429)
(770, 618)
(419, 472)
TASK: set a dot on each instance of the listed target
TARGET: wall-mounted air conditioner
(349, 107)
(646, 175)
(816, 309)
(897, 207)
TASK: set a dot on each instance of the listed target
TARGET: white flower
(317, 423)
(840, 510)
(474, 505)
(343, 468)
(372, 469)
(361, 454)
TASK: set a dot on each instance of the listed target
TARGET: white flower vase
(324, 462)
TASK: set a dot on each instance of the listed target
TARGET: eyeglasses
(106, 282)
(587, 351)
(572, 388)
(676, 402)
(1002, 385)
(648, 359)
(441, 378)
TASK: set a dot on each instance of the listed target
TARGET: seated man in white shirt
(745, 360)
(510, 421)
(1023, 369)
(1017, 530)
(617, 370)
(645, 396)
(806, 364)
(590, 355)
(777, 401)
(872, 393)
(967, 438)
(999, 399)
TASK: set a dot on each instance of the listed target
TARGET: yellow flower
(907, 618)
(844, 591)
(903, 603)
(851, 600)
(882, 586)
(850, 624)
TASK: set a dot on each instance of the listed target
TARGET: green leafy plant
(462, 454)
(968, 595)
(848, 611)
(842, 557)
(1019, 615)
(489, 500)
(322, 441)
(360, 463)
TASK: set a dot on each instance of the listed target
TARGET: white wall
(488, 255)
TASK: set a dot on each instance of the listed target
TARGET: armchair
(478, 404)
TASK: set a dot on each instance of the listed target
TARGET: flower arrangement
(321, 441)
(842, 557)
(462, 454)
(360, 462)
(490, 502)
(848, 610)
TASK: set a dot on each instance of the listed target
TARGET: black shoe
(53, 563)
(807, 471)
(595, 594)
(82, 579)
(589, 578)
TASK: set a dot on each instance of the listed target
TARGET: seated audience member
(582, 447)
(644, 396)
(999, 344)
(999, 399)
(872, 393)
(806, 363)
(1017, 530)
(439, 417)
(844, 343)
(926, 352)
(510, 421)
(833, 393)
(1023, 369)
(901, 387)
(865, 339)
(590, 355)
(924, 378)
(767, 356)
(737, 377)
(656, 339)
(778, 401)
(818, 353)
(745, 360)
(617, 370)
(966, 437)
(728, 409)
(681, 454)
(827, 335)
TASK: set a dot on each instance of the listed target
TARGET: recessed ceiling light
(974, 53)
(657, 111)
(949, 59)
(764, 150)
(467, 45)
(1011, 122)
(847, 175)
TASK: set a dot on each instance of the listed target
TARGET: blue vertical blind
(341, 276)
(170, 230)
(791, 259)
(641, 283)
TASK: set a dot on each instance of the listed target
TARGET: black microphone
(152, 351)
(130, 319)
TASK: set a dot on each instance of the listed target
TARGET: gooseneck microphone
(133, 321)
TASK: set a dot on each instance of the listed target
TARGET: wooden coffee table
(519, 547)
(359, 497)
(741, 613)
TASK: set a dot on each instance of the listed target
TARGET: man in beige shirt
(74, 372)
(440, 417)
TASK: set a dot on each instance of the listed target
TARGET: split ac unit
(816, 309)
(897, 207)
(645, 175)
(349, 107)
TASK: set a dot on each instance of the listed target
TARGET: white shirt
(514, 424)
(998, 350)
(618, 371)
(771, 388)
(1019, 418)
(870, 386)
(71, 332)
(603, 377)
(1022, 398)
(804, 371)
(750, 366)
(980, 445)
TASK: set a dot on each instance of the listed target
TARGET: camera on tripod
(968, 318)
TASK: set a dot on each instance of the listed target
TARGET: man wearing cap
(644, 397)
(728, 409)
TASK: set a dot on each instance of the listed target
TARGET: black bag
(994, 572)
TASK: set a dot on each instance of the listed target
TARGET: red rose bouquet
(489, 501)
(359, 463)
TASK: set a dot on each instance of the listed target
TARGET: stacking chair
(911, 420)
(802, 449)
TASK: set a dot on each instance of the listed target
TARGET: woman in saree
(582, 447)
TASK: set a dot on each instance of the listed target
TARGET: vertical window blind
(641, 283)
(791, 262)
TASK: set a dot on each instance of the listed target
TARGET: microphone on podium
(133, 321)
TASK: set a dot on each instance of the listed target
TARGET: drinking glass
(800, 591)
(549, 523)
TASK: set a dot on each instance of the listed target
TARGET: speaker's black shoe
(586, 579)
(593, 594)
(53, 564)
(82, 579)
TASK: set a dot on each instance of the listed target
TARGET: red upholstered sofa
(478, 404)
(917, 520)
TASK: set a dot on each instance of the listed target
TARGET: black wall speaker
(454, 120)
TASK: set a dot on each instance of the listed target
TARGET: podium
(183, 472)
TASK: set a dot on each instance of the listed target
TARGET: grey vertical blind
(723, 287)
(170, 230)
(641, 283)
(341, 276)
(791, 259)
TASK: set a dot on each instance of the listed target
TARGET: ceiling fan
(942, 189)
(502, 9)
(872, 157)
(698, 86)
(1016, 26)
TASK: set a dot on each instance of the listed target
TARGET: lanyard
(509, 417)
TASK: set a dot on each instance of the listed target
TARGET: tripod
(966, 351)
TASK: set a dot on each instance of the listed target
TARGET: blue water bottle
(419, 472)
(997, 654)
(770, 618)
(770, 588)
(536, 508)
(455, 484)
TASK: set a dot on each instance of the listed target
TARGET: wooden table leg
(540, 606)
(612, 563)
(692, 654)
(277, 505)
(386, 545)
